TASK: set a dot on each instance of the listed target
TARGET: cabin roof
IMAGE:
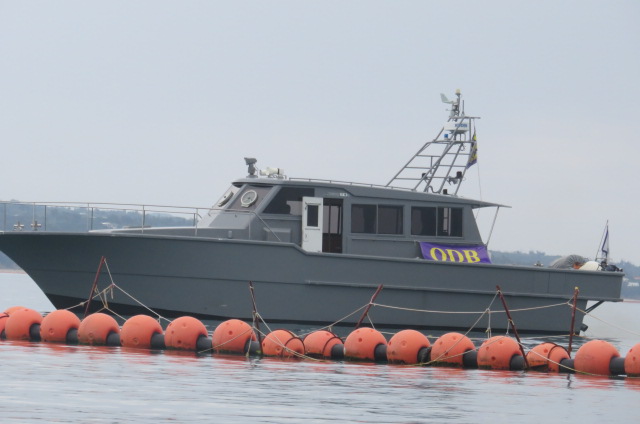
(370, 190)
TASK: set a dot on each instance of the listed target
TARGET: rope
(608, 323)
(328, 327)
(467, 312)
(224, 343)
(461, 338)
(279, 343)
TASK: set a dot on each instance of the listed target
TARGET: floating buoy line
(363, 344)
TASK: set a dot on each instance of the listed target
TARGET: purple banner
(467, 253)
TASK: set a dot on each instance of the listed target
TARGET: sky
(158, 102)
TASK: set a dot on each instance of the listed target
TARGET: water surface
(57, 383)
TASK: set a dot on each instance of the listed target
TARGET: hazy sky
(158, 102)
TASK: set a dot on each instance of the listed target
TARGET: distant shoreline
(11, 271)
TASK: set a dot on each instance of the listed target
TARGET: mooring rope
(589, 314)
(467, 312)
(329, 327)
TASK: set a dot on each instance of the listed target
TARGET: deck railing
(82, 217)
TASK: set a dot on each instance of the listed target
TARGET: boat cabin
(330, 217)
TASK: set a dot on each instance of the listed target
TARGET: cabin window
(441, 221)
(423, 221)
(389, 219)
(374, 219)
(249, 198)
(288, 201)
(363, 219)
(312, 215)
(226, 198)
(450, 222)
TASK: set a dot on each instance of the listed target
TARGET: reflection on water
(58, 383)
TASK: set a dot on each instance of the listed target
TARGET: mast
(442, 163)
(602, 257)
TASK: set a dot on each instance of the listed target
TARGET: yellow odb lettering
(471, 255)
(452, 255)
(455, 256)
(434, 250)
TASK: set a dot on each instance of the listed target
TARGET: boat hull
(209, 279)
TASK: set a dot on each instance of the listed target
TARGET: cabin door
(332, 226)
(312, 224)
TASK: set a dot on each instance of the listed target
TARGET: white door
(312, 224)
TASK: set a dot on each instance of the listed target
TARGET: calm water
(55, 383)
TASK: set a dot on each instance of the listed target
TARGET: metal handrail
(91, 207)
(143, 210)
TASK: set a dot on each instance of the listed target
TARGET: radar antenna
(446, 158)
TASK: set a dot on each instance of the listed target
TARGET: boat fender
(283, 344)
(138, 331)
(204, 345)
(380, 353)
(20, 325)
(517, 363)
(470, 359)
(337, 351)
(632, 361)
(253, 348)
(497, 352)
(361, 345)
(546, 357)
(157, 341)
(34, 333)
(594, 357)
(450, 350)
(72, 336)
(96, 328)
(319, 344)
(404, 347)
(56, 325)
(424, 355)
(183, 333)
(113, 339)
(232, 336)
(616, 366)
(567, 366)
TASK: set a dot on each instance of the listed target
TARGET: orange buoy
(361, 345)
(13, 308)
(232, 336)
(56, 325)
(450, 349)
(138, 331)
(496, 353)
(20, 322)
(3, 319)
(404, 346)
(320, 344)
(547, 357)
(183, 333)
(282, 343)
(96, 329)
(632, 361)
(595, 357)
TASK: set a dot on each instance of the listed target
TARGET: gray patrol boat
(316, 251)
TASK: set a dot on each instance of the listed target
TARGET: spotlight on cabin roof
(251, 164)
